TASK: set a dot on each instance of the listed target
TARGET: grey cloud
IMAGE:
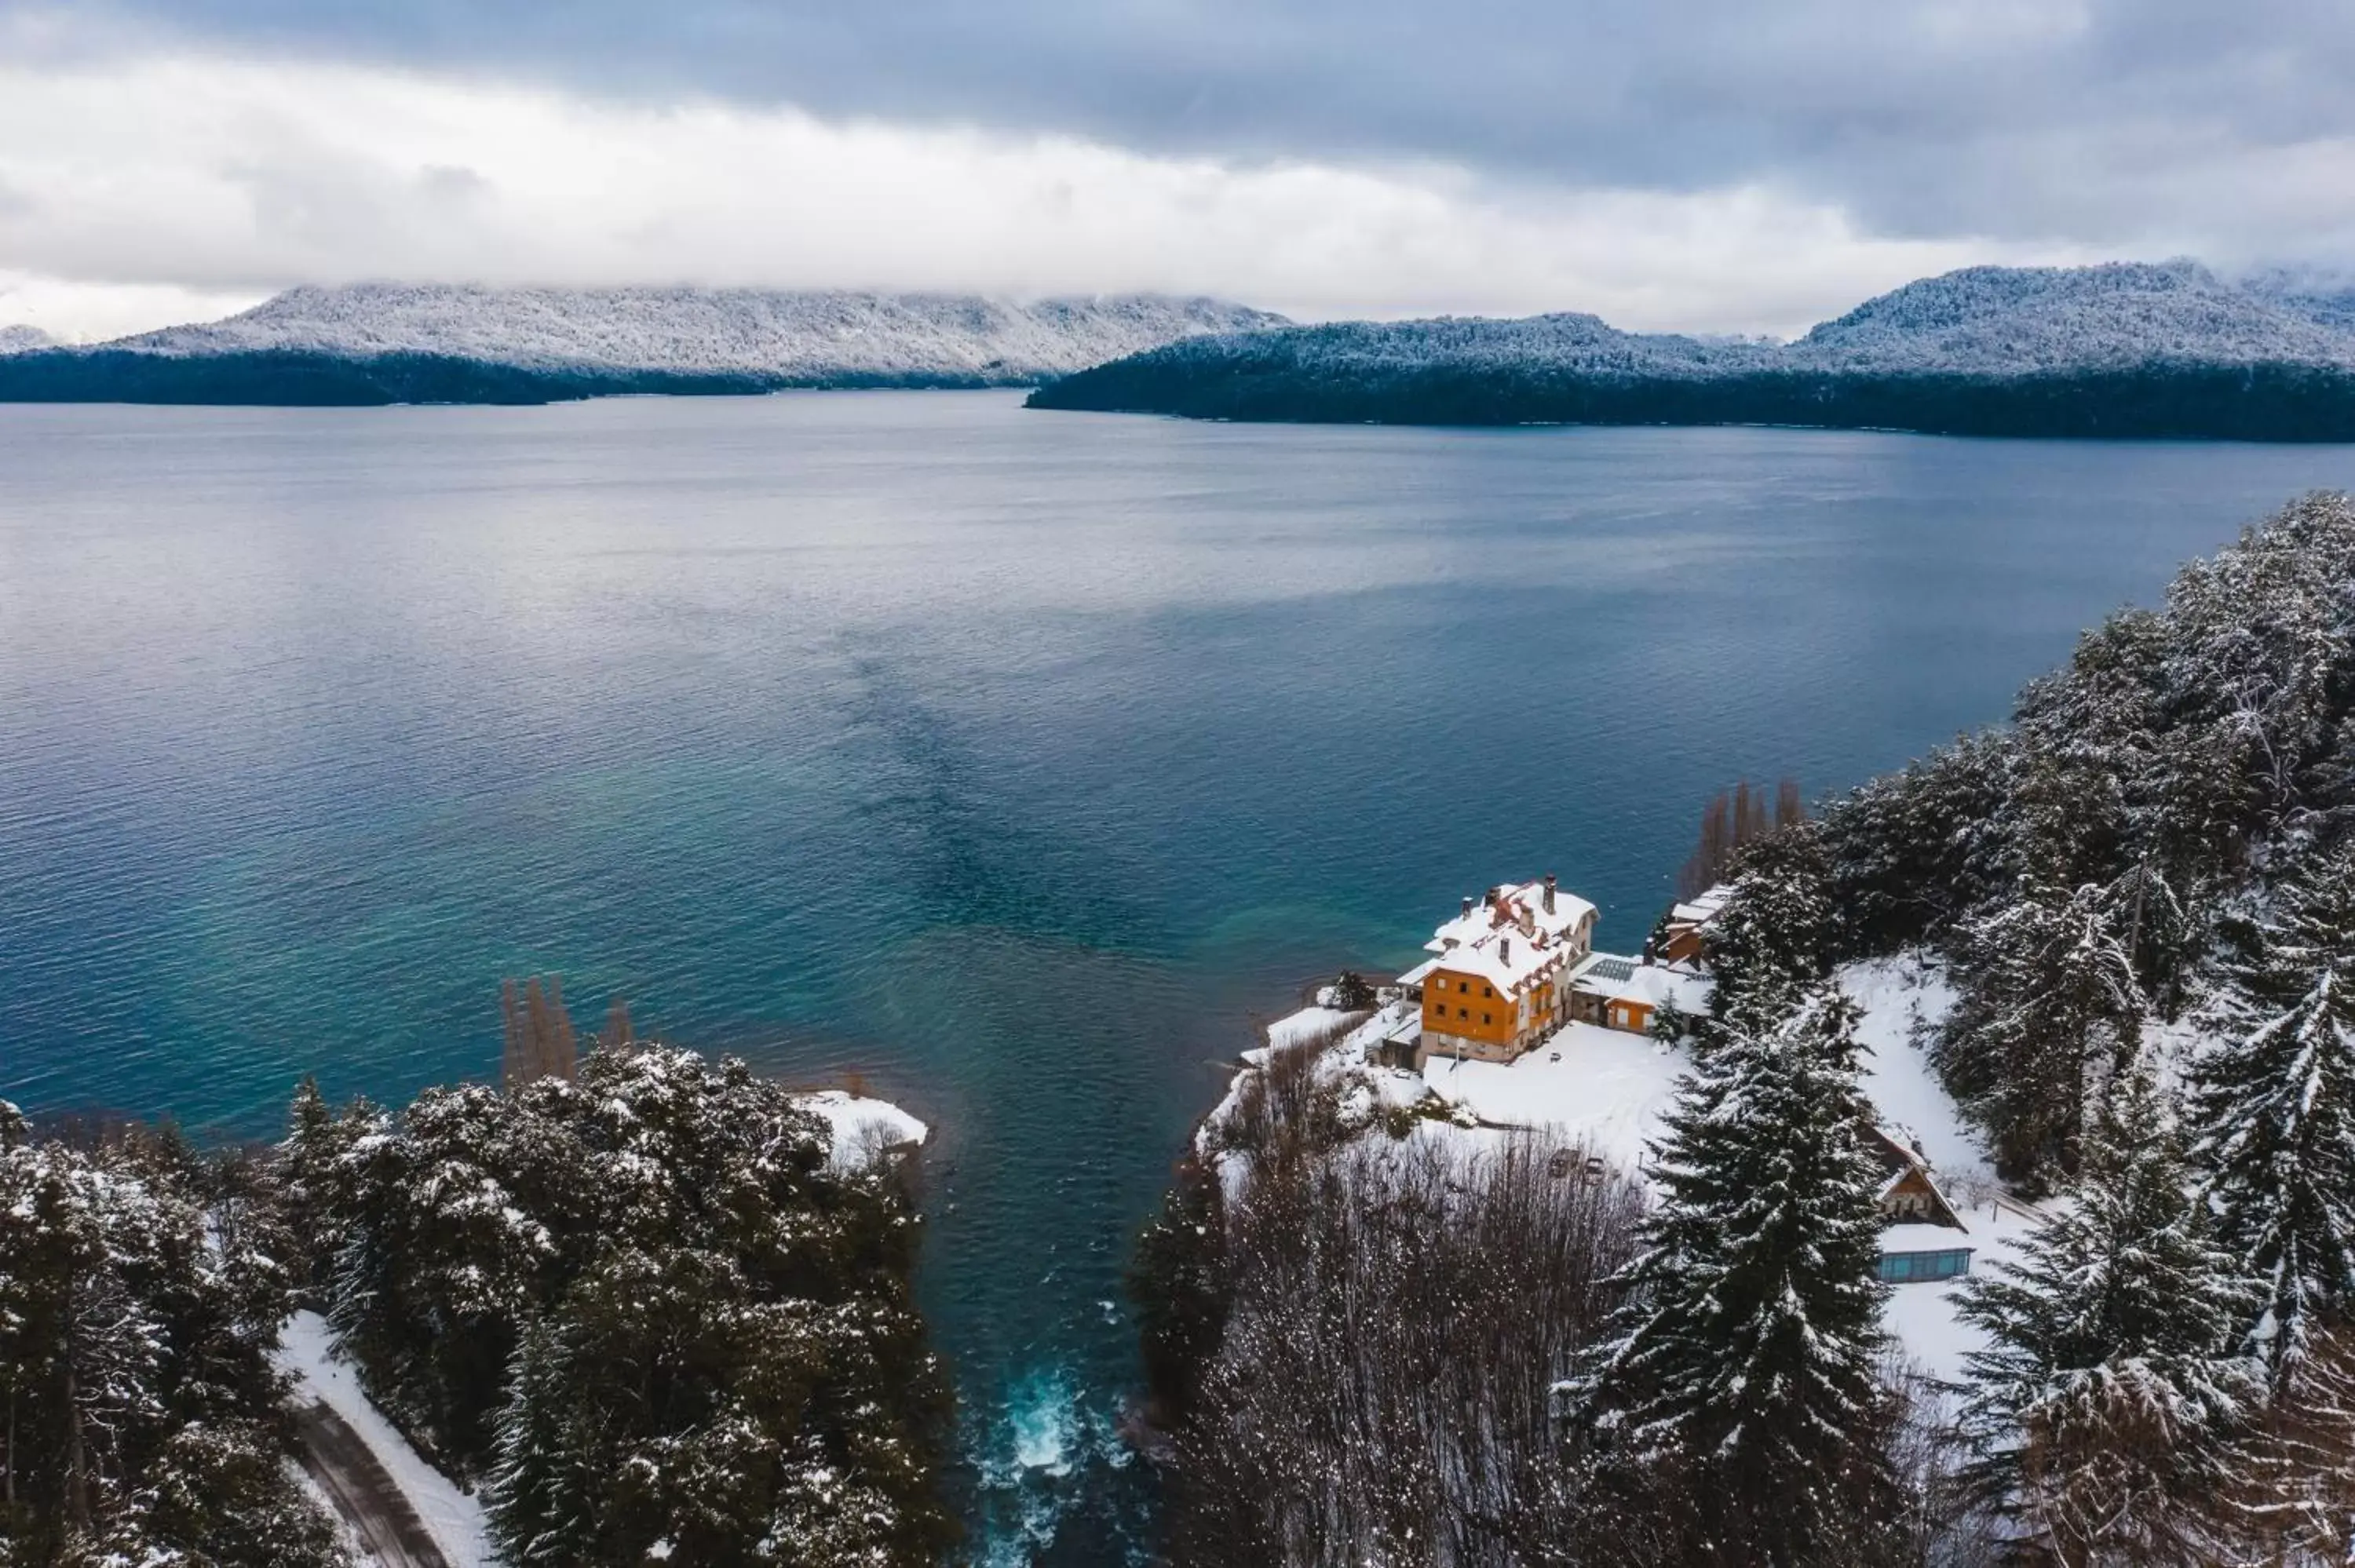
(2106, 121)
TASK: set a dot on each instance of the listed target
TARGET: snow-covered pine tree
(1906, 854)
(2273, 1108)
(1746, 1355)
(2104, 1414)
(2293, 1501)
(2047, 1006)
(1771, 943)
(142, 1418)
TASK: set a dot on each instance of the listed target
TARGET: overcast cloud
(1716, 167)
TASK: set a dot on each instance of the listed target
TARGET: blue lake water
(1015, 761)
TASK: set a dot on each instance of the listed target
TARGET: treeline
(1732, 820)
(302, 379)
(1266, 378)
(637, 1301)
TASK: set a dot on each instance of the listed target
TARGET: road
(362, 1492)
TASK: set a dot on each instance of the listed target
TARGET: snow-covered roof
(1914, 1236)
(1703, 906)
(1623, 979)
(1511, 938)
(1419, 973)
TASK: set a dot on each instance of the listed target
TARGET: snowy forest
(1370, 1344)
(641, 1304)
(2122, 349)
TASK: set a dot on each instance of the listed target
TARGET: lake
(1017, 762)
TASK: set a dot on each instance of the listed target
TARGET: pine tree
(1747, 1350)
(1772, 941)
(142, 1418)
(2048, 1007)
(2273, 1109)
(2105, 1412)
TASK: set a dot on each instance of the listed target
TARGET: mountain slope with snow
(789, 338)
(2022, 320)
(2125, 349)
(23, 339)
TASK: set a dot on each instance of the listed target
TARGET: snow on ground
(1899, 996)
(1922, 1316)
(354, 1547)
(1304, 1025)
(307, 1351)
(852, 1116)
(1603, 1087)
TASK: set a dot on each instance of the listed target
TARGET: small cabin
(1684, 933)
(1922, 1237)
(1623, 993)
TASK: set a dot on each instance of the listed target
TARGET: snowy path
(450, 1520)
(363, 1491)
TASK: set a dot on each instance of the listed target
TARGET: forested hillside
(386, 343)
(2141, 892)
(2117, 350)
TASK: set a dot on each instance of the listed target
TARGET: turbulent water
(1015, 761)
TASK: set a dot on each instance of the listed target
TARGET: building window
(1483, 991)
(1485, 1019)
(1463, 1012)
(1902, 1266)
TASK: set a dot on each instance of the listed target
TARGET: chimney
(1488, 899)
(1549, 896)
(1467, 908)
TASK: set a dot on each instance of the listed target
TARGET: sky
(1707, 165)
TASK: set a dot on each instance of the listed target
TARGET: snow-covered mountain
(2021, 319)
(23, 339)
(2123, 349)
(783, 336)
(2317, 294)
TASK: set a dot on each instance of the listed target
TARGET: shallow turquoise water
(1015, 760)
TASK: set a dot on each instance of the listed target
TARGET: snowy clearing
(1901, 996)
(1602, 1087)
(454, 1520)
(1922, 1317)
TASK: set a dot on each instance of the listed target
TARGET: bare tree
(540, 1043)
(1730, 823)
(1383, 1388)
(514, 1058)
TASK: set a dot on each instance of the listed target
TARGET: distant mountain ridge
(23, 339)
(376, 343)
(2123, 349)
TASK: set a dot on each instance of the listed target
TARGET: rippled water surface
(1015, 761)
